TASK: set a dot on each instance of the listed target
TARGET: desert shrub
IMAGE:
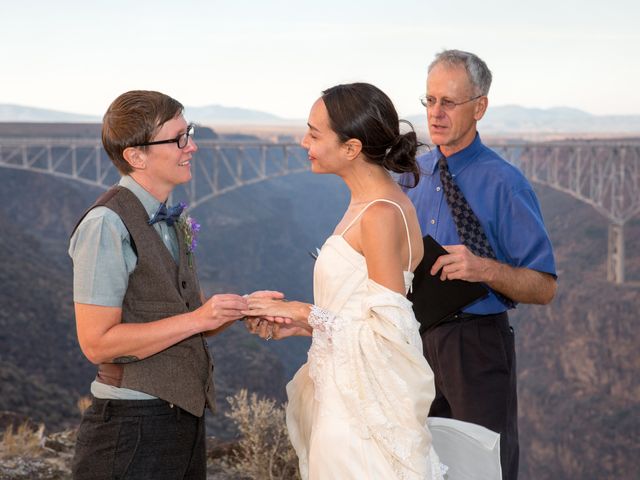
(25, 441)
(83, 403)
(265, 452)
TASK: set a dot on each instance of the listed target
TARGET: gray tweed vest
(159, 288)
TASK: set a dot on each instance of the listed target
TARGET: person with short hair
(140, 314)
(486, 214)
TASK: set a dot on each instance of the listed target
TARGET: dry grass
(265, 451)
(23, 442)
(83, 403)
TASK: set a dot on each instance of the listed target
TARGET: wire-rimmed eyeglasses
(446, 104)
(181, 140)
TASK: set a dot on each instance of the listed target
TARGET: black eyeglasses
(446, 104)
(182, 139)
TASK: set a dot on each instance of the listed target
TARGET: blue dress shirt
(502, 199)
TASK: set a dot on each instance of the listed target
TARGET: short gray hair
(477, 71)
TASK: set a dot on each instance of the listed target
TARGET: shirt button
(184, 284)
(433, 222)
(438, 189)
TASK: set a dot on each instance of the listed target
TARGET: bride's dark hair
(364, 112)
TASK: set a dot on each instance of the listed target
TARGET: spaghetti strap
(406, 225)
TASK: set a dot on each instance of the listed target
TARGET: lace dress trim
(325, 325)
(354, 354)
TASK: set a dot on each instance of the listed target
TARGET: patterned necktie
(468, 226)
(169, 215)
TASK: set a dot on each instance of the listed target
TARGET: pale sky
(278, 55)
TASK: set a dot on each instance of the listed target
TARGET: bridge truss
(603, 174)
(606, 175)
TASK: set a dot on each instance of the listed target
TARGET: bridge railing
(80, 159)
(220, 167)
(217, 167)
(604, 174)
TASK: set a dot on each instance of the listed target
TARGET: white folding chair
(470, 451)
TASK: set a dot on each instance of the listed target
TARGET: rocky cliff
(577, 358)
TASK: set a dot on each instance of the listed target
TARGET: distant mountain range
(513, 119)
(507, 120)
(210, 114)
(19, 113)
(217, 114)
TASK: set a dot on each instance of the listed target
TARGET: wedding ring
(268, 337)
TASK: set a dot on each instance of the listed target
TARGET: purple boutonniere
(189, 228)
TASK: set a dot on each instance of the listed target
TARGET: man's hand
(520, 284)
(461, 264)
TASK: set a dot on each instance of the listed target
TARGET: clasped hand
(271, 316)
(222, 309)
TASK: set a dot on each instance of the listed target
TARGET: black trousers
(139, 439)
(474, 363)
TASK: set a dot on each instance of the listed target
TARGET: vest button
(184, 284)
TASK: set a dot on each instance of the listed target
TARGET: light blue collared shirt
(103, 259)
(102, 254)
(502, 199)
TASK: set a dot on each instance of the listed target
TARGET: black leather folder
(435, 301)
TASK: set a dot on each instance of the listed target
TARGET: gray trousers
(139, 439)
(474, 362)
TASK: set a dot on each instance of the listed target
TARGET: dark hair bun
(401, 156)
(364, 112)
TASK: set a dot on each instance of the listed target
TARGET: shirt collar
(459, 160)
(149, 202)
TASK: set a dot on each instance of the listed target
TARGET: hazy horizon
(98, 115)
(278, 56)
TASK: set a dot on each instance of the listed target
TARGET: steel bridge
(603, 174)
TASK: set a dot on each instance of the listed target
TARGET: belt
(468, 316)
(464, 317)
(134, 408)
(110, 374)
(500, 319)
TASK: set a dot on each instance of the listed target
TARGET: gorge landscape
(577, 358)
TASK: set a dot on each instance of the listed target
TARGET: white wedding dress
(358, 407)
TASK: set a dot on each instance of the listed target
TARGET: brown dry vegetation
(264, 451)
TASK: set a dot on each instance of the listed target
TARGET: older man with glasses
(485, 213)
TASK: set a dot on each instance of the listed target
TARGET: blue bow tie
(164, 214)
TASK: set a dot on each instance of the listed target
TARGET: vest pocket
(167, 308)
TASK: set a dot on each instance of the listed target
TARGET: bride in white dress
(358, 408)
